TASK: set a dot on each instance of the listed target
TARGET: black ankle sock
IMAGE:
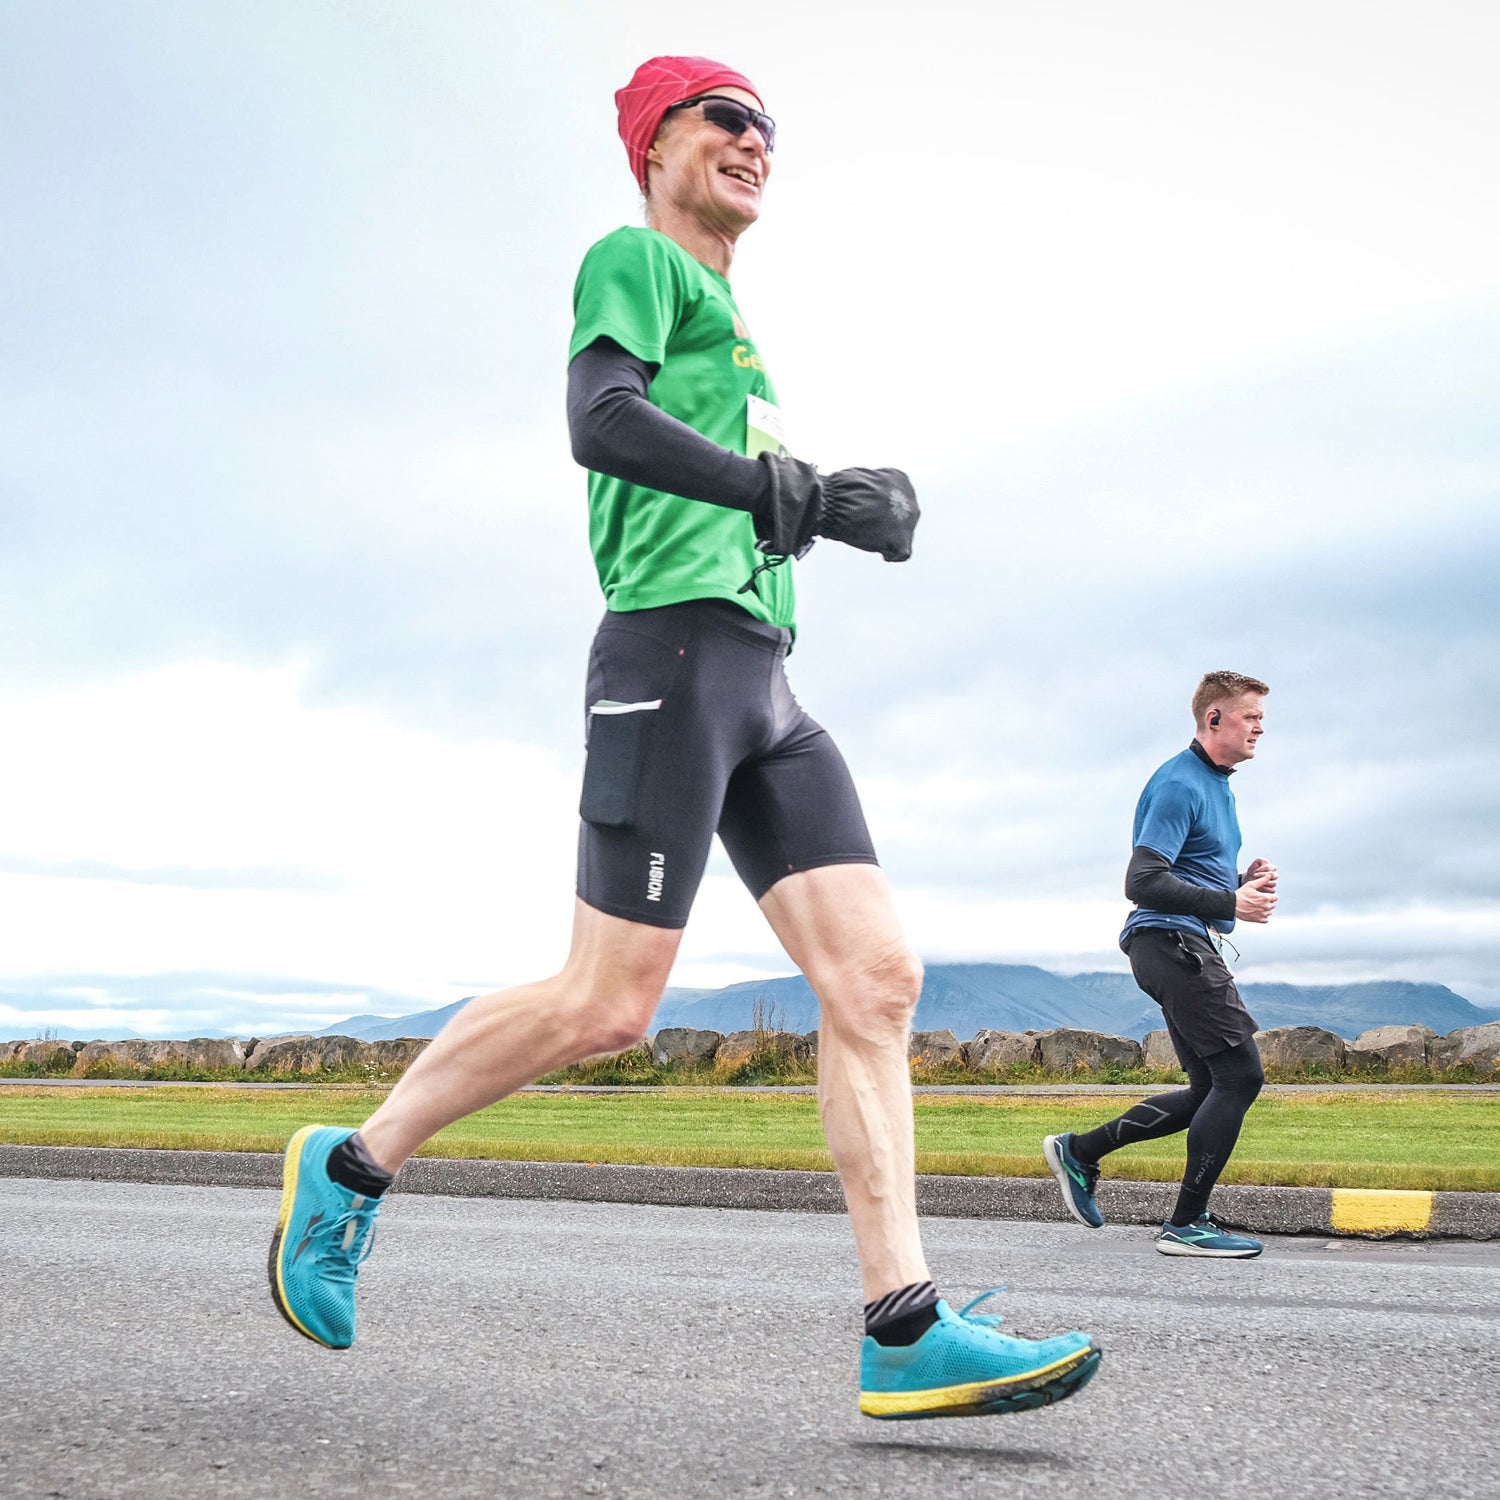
(351, 1166)
(903, 1316)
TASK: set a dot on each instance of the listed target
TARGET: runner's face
(704, 171)
(1241, 725)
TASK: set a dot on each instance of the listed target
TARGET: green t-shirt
(651, 548)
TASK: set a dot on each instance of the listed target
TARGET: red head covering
(656, 86)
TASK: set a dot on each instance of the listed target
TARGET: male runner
(1182, 878)
(695, 510)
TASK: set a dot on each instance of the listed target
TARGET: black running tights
(1221, 1088)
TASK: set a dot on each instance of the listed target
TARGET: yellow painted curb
(1380, 1210)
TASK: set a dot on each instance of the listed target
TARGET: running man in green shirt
(696, 512)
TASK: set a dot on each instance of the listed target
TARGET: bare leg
(840, 928)
(601, 1002)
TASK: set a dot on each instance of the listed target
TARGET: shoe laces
(342, 1244)
(984, 1320)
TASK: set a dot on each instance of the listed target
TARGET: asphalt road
(553, 1349)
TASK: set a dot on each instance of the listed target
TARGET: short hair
(1219, 687)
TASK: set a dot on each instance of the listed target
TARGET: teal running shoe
(323, 1233)
(1204, 1237)
(961, 1367)
(1077, 1180)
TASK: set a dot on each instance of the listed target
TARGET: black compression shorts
(692, 729)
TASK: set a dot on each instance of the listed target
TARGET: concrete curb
(1347, 1212)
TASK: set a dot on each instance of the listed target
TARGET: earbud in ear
(1213, 719)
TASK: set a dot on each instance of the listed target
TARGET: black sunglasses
(731, 115)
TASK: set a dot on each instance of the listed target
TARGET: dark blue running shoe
(1076, 1179)
(1204, 1237)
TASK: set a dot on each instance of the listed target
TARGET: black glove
(872, 509)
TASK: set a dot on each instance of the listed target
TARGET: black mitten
(872, 509)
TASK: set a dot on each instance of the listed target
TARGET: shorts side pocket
(618, 733)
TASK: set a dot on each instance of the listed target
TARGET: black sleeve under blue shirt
(616, 430)
(1149, 882)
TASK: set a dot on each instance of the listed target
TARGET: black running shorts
(692, 728)
(1184, 973)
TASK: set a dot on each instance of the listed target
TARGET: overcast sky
(1184, 319)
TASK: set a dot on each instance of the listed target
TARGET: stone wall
(206, 1054)
(1287, 1050)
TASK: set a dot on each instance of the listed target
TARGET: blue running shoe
(961, 1367)
(1206, 1238)
(323, 1232)
(1076, 1179)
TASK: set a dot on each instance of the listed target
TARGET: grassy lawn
(1310, 1140)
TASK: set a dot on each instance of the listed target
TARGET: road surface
(552, 1349)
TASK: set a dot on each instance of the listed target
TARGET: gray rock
(1471, 1046)
(213, 1052)
(306, 1054)
(140, 1052)
(1384, 1047)
(166, 1053)
(740, 1046)
(685, 1044)
(277, 1057)
(1000, 1049)
(1158, 1052)
(1291, 1047)
(396, 1052)
(1068, 1050)
(157, 1053)
(934, 1048)
(329, 1052)
(94, 1053)
(811, 1038)
(48, 1055)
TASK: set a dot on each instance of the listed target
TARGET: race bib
(765, 429)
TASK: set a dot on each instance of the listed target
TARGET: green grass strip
(1310, 1140)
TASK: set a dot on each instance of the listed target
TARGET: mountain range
(966, 998)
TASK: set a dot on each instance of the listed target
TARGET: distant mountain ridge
(966, 998)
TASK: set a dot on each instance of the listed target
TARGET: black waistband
(706, 614)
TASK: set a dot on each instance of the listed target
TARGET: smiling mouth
(741, 175)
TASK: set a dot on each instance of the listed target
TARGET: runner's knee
(1238, 1071)
(877, 994)
(613, 1021)
(610, 1011)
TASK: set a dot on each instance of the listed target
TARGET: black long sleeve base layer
(1212, 1108)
